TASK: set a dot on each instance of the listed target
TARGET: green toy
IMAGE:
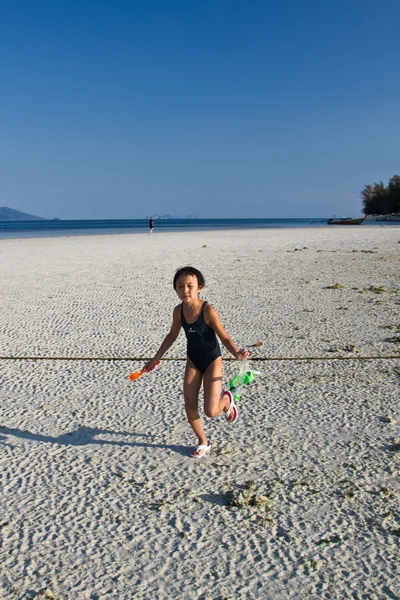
(244, 377)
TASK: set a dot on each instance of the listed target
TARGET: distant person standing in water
(151, 224)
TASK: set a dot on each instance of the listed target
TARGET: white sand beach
(99, 497)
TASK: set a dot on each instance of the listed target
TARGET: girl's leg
(191, 389)
(213, 403)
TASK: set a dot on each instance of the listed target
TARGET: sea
(56, 228)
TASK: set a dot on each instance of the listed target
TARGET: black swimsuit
(202, 343)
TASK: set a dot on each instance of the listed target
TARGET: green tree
(394, 194)
(377, 199)
(367, 196)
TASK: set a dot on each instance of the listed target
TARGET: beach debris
(334, 539)
(247, 496)
(348, 493)
(386, 493)
(45, 594)
(393, 340)
(395, 447)
(260, 501)
(350, 348)
(308, 310)
(157, 505)
(204, 246)
(389, 419)
(239, 498)
(395, 532)
(120, 519)
(134, 483)
(267, 521)
(335, 286)
(366, 251)
(395, 328)
(313, 564)
(376, 289)
(243, 498)
(343, 348)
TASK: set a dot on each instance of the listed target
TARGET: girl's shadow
(83, 436)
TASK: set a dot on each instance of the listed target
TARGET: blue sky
(122, 108)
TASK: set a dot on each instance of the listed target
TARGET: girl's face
(187, 288)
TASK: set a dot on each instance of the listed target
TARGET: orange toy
(256, 345)
(138, 374)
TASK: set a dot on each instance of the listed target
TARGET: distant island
(10, 214)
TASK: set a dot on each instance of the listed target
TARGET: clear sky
(122, 108)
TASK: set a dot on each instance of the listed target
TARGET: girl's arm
(213, 320)
(168, 340)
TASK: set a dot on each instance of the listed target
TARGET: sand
(298, 499)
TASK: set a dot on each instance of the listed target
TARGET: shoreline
(105, 232)
(35, 230)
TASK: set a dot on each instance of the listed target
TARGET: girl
(202, 325)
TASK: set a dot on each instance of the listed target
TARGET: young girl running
(202, 325)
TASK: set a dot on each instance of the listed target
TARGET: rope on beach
(253, 358)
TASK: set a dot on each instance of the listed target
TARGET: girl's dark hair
(190, 271)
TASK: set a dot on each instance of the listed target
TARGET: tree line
(378, 199)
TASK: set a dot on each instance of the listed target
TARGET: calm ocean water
(19, 229)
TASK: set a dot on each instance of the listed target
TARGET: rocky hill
(10, 214)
